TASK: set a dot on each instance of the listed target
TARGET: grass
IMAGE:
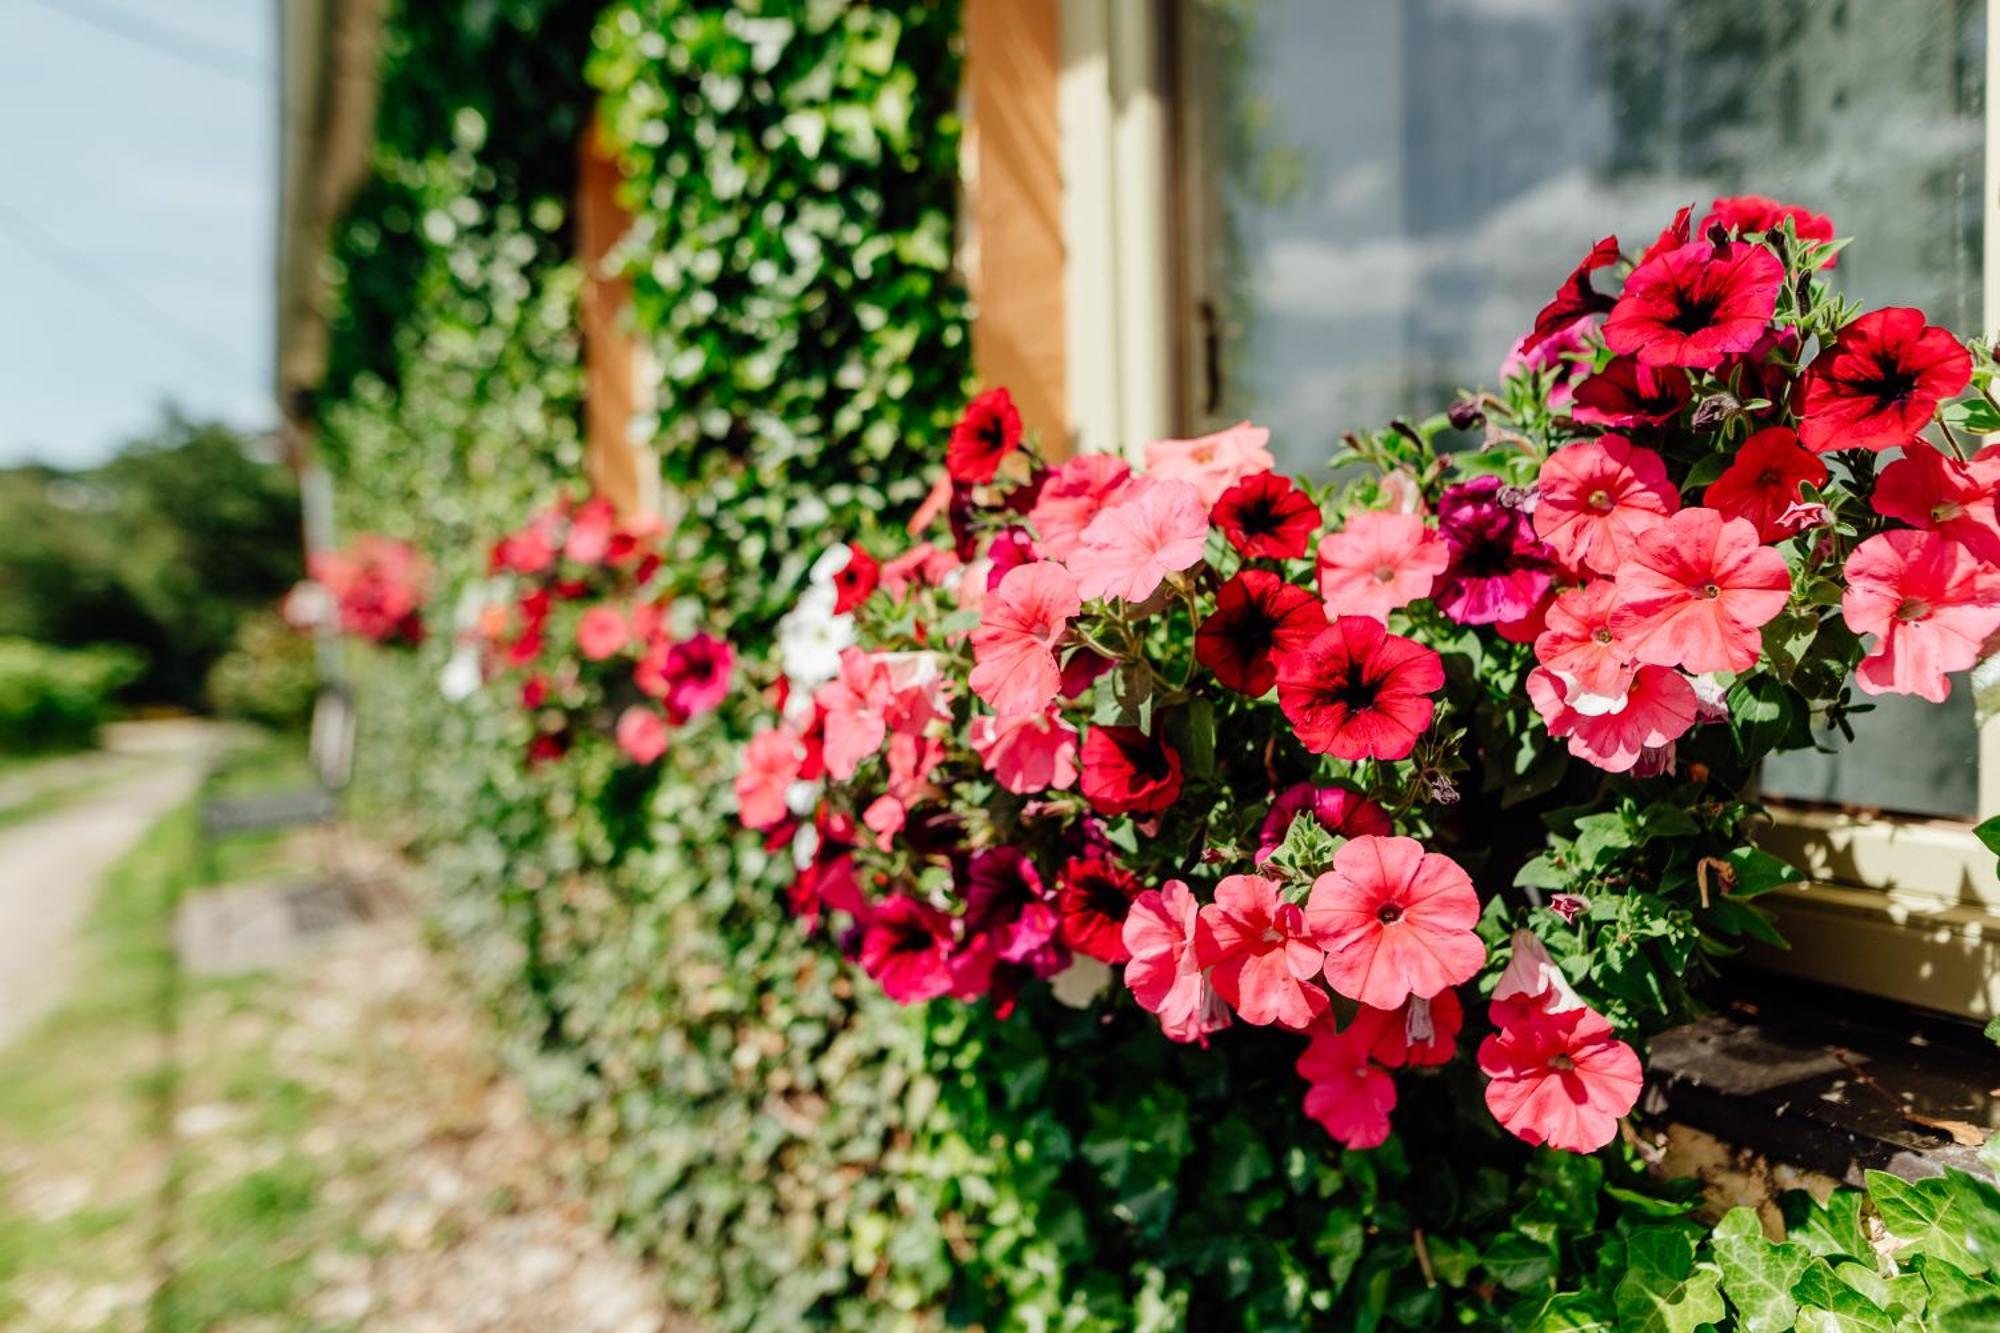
(112, 1193)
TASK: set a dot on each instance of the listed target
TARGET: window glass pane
(1383, 192)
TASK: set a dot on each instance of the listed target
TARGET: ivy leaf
(1831, 1228)
(1923, 1216)
(1976, 1204)
(1664, 1290)
(1519, 1262)
(1573, 1312)
(1758, 1274)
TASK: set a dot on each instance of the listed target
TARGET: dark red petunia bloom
(1753, 214)
(1006, 903)
(856, 580)
(906, 947)
(1576, 299)
(1127, 772)
(1094, 895)
(1696, 305)
(1626, 394)
(1762, 482)
(1266, 517)
(1257, 618)
(1359, 692)
(1877, 384)
(983, 437)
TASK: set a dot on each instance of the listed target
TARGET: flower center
(1913, 608)
(1385, 574)
(1710, 591)
(1602, 637)
(1389, 914)
(1696, 312)
(1600, 500)
(1947, 511)
(1891, 384)
(1561, 1061)
(1769, 478)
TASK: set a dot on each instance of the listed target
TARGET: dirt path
(51, 864)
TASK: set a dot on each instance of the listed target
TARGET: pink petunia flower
(1339, 811)
(1379, 562)
(1026, 752)
(1597, 497)
(1563, 1079)
(1926, 490)
(1656, 709)
(1073, 495)
(1761, 484)
(853, 708)
(1930, 602)
(1158, 529)
(1164, 974)
(772, 762)
(1395, 921)
(1020, 624)
(601, 632)
(642, 734)
(1262, 955)
(1347, 1093)
(1579, 641)
(1212, 463)
(1532, 975)
(1696, 590)
(1424, 1032)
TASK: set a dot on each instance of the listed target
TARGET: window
(1372, 199)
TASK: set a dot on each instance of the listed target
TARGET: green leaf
(1923, 1216)
(1664, 1290)
(1831, 1228)
(1573, 1312)
(1988, 832)
(1755, 872)
(1757, 1273)
(1519, 1262)
(1761, 710)
(1976, 1205)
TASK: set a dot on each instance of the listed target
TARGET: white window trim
(1908, 909)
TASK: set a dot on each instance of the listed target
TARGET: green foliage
(268, 676)
(55, 699)
(165, 548)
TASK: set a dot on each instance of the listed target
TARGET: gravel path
(50, 866)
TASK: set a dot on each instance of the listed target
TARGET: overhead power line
(58, 254)
(163, 40)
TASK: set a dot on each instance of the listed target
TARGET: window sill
(1904, 909)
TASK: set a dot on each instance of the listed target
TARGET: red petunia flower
(988, 432)
(1345, 813)
(1927, 490)
(1580, 642)
(1877, 384)
(1006, 903)
(1626, 394)
(1359, 692)
(1094, 896)
(906, 947)
(1696, 590)
(1258, 617)
(1761, 484)
(1597, 496)
(1164, 974)
(1347, 1092)
(1696, 305)
(1125, 771)
(1423, 1032)
(855, 580)
(1261, 956)
(1379, 562)
(1395, 921)
(1930, 602)
(1013, 648)
(1755, 215)
(1576, 299)
(1267, 517)
(1498, 569)
(1563, 1079)
(1656, 709)
(1672, 236)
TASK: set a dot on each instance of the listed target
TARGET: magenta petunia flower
(906, 946)
(1338, 810)
(1497, 570)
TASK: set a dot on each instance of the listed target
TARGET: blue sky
(160, 173)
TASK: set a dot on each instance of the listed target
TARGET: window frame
(1904, 908)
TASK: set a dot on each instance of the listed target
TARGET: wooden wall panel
(1014, 204)
(621, 471)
